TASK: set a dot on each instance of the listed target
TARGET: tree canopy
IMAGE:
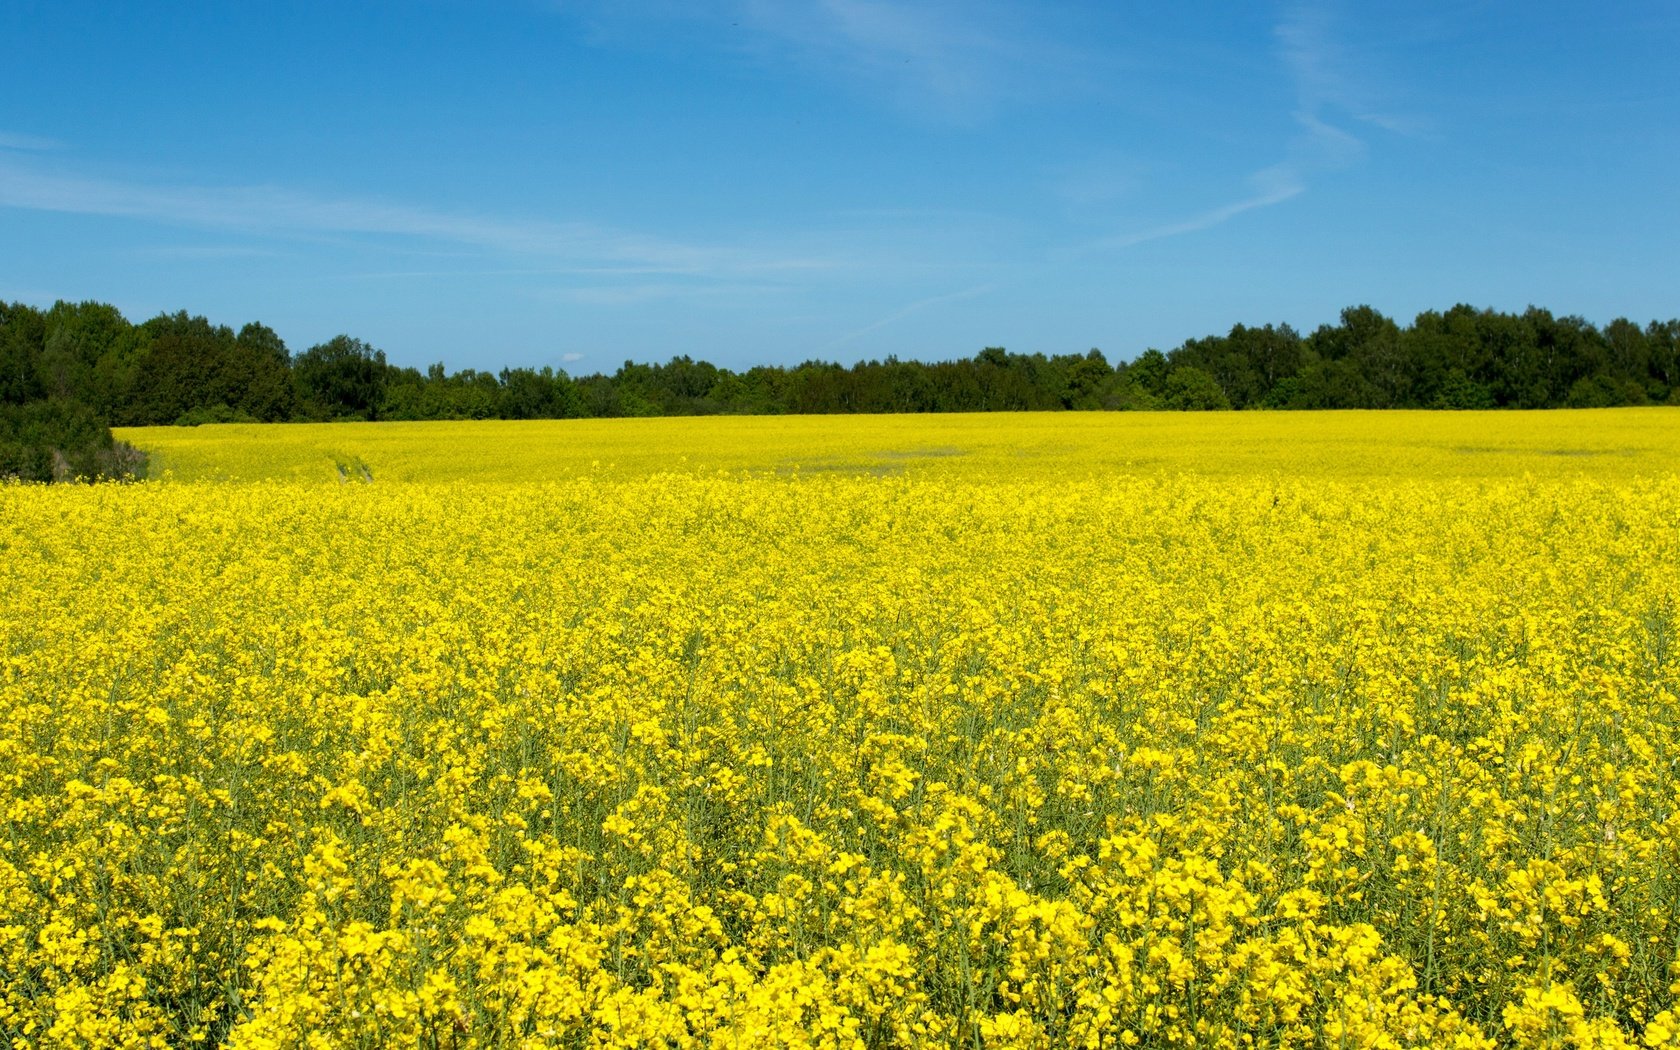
(87, 362)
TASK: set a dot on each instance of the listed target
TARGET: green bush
(214, 414)
(60, 440)
(1192, 389)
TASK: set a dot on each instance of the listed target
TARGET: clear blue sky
(757, 181)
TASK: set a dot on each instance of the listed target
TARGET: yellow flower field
(1605, 443)
(1342, 730)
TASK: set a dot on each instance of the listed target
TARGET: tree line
(70, 372)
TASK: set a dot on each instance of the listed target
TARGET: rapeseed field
(1337, 730)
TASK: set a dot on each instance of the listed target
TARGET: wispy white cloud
(1328, 93)
(1271, 186)
(28, 143)
(1332, 81)
(1323, 143)
(921, 54)
(1101, 179)
(1407, 125)
(202, 252)
(283, 212)
(636, 293)
(503, 271)
(906, 310)
(1310, 54)
(941, 59)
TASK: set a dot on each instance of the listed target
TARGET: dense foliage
(52, 440)
(176, 368)
(1002, 748)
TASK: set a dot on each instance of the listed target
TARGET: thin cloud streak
(202, 252)
(278, 211)
(1321, 69)
(524, 271)
(633, 294)
(28, 143)
(934, 59)
(906, 311)
(1286, 187)
(916, 52)
(1315, 65)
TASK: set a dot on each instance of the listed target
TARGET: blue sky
(578, 182)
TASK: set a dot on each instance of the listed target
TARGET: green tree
(1458, 390)
(1603, 391)
(1629, 353)
(1273, 354)
(184, 364)
(532, 394)
(261, 374)
(1223, 363)
(342, 378)
(90, 355)
(1087, 381)
(1442, 351)
(1662, 341)
(1148, 372)
(1518, 373)
(1193, 389)
(1334, 383)
(23, 337)
(1363, 360)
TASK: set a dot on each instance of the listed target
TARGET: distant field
(1605, 442)
(1229, 730)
